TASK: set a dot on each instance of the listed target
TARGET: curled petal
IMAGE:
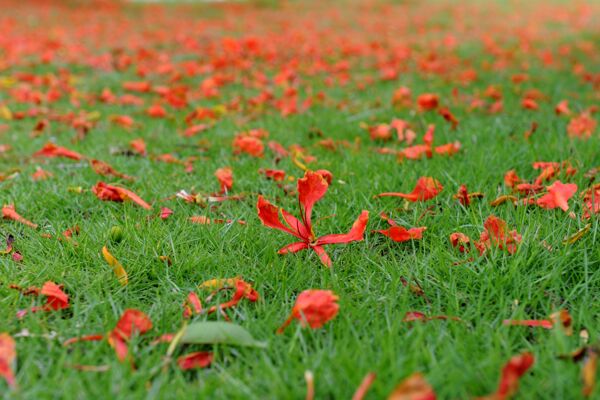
(269, 215)
(311, 189)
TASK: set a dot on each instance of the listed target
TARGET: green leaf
(213, 332)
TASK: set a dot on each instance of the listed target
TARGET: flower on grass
(558, 196)
(108, 192)
(313, 308)
(512, 371)
(9, 212)
(399, 233)
(311, 189)
(425, 189)
(131, 322)
(8, 354)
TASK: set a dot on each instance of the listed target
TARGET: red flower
(192, 305)
(314, 308)
(132, 321)
(582, 126)
(243, 290)
(558, 195)
(415, 387)
(225, 178)
(516, 367)
(311, 189)
(428, 101)
(464, 197)
(460, 240)
(426, 188)
(8, 354)
(511, 179)
(114, 193)
(104, 169)
(277, 175)
(139, 146)
(51, 150)
(496, 233)
(56, 299)
(399, 233)
(199, 359)
(165, 213)
(448, 149)
(9, 212)
(248, 144)
(591, 200)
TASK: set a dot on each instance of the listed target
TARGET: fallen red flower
(225, 178)
(311, 189)
(192, 305)
(516, 367)
(313, 308)
(248, 144)
(558, 196)
(56, 299)
(131, 322)
(9, 212)
(460, 240)
(165, 213)
(108, 192)
(51, 150)
(399, 233)
(426, 188)
(8, 355)
(428, 101)
(200, 359)
(415, 387)
(104, 169)
(243, 290)
(464, 197)
(496, 234)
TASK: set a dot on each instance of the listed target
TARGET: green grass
(459, 359)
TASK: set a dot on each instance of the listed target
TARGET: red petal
(132, 321)
(323, 256)
(293, 248)
(200, 359)
(425, 189)
(56, 298)
(355, 234)
(543, 323)
(52, 150)
(558, 195)
(269, 215)
(512, 371)
(311, 189)
(401, 234)
(8, 354)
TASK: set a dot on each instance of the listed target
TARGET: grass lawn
(320, 80)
